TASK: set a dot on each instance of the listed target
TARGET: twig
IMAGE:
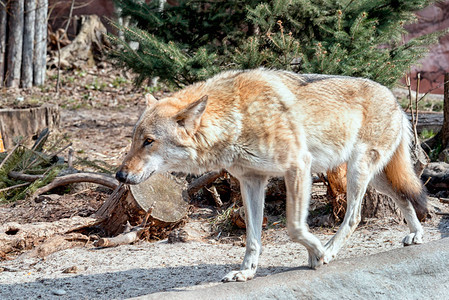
(70, 16)
(24, 177)
(431, 90)
(442, 213)
(407, 79)
(415, 131)
(8, 155)
(62, 149)
(15, 186)
(444, 200)
(215, 195)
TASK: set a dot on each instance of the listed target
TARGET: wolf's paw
(412, 238)
(315, 261)
(328, 257)
(242, 275)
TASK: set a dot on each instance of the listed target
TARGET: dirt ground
(98, 115)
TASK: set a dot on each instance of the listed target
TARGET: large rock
(415, 272)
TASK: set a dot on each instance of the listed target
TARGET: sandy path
(145, 268)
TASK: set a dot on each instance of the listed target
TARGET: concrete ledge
(415, 272)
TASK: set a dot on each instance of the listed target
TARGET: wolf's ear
(190, 117)
(150, 99)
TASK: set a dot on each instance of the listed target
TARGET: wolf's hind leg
(360, 172)
(382, 185)
(298, 182)
(252, 188)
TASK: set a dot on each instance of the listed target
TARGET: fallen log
(43, 237)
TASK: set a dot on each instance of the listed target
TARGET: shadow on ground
(124, 284)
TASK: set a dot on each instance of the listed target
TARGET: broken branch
(121, 239)
(102, 179)
(203, 181)
(130, 235)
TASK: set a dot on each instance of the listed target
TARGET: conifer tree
(196, 39)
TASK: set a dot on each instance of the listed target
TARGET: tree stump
(377, 205)
(160, 202)
(85, 48)
(26, 122)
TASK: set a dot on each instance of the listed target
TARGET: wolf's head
(161, 139)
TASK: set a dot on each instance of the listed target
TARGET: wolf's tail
(402, 176)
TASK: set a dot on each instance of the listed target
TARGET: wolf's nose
(121, 176)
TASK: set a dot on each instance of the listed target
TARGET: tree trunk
(3, 20)
(445, 129)
(15, 43)
(40, 39)
(28, 43)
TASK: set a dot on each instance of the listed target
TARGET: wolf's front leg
(299, 183)
(252, 188)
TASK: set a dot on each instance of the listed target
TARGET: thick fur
(260, 123)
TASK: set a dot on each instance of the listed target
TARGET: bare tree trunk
(15, 43)
(445, 129)
(28, 43)
(40, 38)
(3, 20)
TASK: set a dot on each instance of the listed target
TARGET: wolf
(260, 123)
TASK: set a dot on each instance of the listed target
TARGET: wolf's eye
(147, 142)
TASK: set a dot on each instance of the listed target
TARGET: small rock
(178, 235)
(59, 292)
(72, 269)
